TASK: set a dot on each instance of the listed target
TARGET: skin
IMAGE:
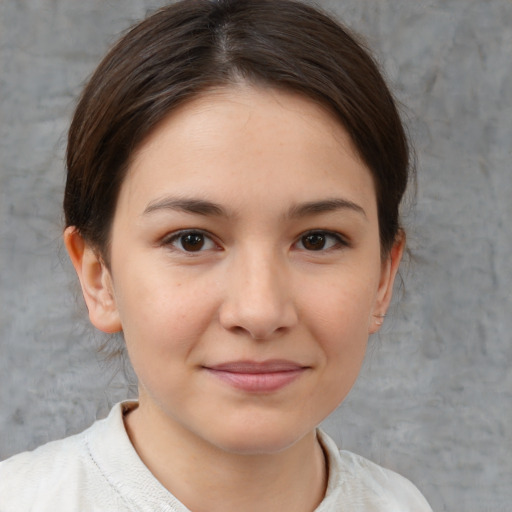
(276, 166)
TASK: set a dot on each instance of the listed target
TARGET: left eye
(191, 241)
(320, 241)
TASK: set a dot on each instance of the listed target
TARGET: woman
(235, 170)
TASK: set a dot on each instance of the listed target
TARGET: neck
(206, 478)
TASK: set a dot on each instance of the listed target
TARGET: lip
(256, 376)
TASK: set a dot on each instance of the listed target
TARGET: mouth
(257, 377)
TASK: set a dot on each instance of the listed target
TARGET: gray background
(434, 399)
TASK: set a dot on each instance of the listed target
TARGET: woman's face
(246, 268)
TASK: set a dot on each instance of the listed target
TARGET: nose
(258, 299)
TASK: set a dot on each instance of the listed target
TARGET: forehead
(243, 142)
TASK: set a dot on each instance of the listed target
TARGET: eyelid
(341, 240)
(169, 239)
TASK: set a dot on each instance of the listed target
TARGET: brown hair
(193, 45)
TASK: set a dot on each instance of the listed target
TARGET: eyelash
(337, 240)
(177, 237)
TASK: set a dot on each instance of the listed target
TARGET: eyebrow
(324, 206)
(209, 208)
(196, 206)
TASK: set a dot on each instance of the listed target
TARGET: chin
(255, 437)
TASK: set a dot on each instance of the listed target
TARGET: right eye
(190, 241)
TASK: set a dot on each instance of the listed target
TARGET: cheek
(167, 314)
(338, 319)
(341, 308)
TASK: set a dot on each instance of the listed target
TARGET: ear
(389, 269)
(95, 280)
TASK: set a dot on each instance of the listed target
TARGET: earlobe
(95, 280)
(385, 291)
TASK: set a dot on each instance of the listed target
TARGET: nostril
(258, 300)
(260, 323)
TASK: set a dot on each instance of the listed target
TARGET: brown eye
(321, 241)
(192, 242)
(314, 241)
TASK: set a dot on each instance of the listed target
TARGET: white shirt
(99, 470)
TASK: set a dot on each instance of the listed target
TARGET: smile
(257, 377)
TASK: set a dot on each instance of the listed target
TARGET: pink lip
(258, 377)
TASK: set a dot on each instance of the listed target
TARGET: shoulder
(383, 484)
(56, 476)
(33, 477)
(364, 485)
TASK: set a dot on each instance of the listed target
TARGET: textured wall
(434, 398)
